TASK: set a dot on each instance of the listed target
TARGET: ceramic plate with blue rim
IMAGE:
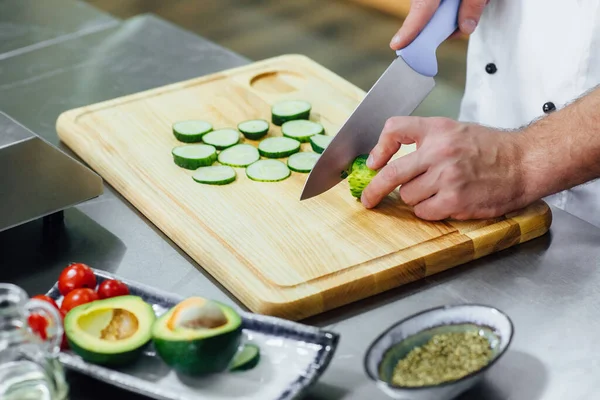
(292, 358)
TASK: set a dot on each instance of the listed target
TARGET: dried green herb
(445, 357)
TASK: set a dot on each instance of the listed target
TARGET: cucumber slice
(302, 162)
(278, 147)
(289, 110)
(268, 171)
(246, 359)
(320, 142)
(240, 155)
(215, 175)
(191, 131)
(194, 156)
(302, 130)
(254, 129)
(222, 138)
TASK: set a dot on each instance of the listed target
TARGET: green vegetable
(240, 155)
(254, 129)
(112, 331)
(360, 175)
(222, 138)
(268, 171)
(289, 110)
(320, 142)
(302, 162)
(191, 131)
(198, 336)
(445, 357)
(246, 359)
(215, 175)
(278, 147)
(302, 130)
(194, 156)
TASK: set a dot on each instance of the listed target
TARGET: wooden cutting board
(277, 255)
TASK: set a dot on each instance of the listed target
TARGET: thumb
(419, 15)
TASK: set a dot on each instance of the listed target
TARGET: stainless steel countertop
(550, 287)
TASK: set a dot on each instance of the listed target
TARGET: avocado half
(198, 336)
(112, 331)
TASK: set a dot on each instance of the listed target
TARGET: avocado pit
(197, 313)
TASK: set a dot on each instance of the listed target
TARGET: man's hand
(460, 171)
(421, 12)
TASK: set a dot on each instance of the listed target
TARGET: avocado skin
(107, 359)
(200, 356)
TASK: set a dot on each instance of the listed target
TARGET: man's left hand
(460, 171)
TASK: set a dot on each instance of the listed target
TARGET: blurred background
(350, 37)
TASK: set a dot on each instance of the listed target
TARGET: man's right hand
(421, 12)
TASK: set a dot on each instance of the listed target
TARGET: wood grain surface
(276, 254)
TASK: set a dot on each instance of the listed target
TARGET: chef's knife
(399, 91)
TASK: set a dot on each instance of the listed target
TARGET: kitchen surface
(83, 57)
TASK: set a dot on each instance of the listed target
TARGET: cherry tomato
(112, 288)
(76, 298)
(38, 324)
(46, 298)
(75, 276)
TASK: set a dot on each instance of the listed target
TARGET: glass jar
(29, 366)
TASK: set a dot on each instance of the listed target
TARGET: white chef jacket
(527, 56)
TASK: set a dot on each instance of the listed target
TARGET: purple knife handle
(420, 54)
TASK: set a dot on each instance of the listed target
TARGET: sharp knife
(399, 91)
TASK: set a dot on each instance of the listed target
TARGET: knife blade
(399, 91)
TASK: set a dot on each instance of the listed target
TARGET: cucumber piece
(191, 131)
(215, 175)
(246, 359)
(222, 138)
(278, 147)
(268, 171)
(302, 162)
(302, 130)
(240, 155)
(194, 156)
(320, 142)
(254, 129)
(289, 110)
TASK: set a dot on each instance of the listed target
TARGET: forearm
(562, 150)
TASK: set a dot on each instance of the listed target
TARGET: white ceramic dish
(293, 357)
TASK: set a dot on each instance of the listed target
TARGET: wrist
(532, 166)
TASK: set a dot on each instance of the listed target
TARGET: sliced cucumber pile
(268, 171)
(240, 155)
(320, 142)
(278, 147)
(191, 131)
(254, 129)
(302, 162)
(194, 156)
(215, 175)
(222, 138)
(246, 359)
(301, 129)
(289, 110)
